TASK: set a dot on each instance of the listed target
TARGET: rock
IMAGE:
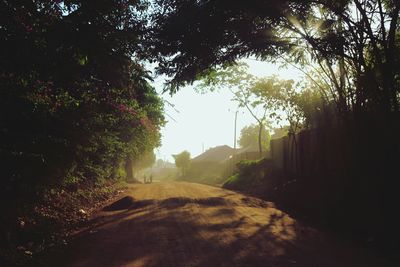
(28, 252)
(82, 211)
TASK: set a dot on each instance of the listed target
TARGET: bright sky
(207, 119)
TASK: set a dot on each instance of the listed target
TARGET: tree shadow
(176, 202)
(196, 232)
(127, 203)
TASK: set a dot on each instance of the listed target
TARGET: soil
(186, 224)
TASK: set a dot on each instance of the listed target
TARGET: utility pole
(234, 135)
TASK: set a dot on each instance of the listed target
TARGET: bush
(251, 174)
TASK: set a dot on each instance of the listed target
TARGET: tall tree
(218, 32)
(281, 99)
(182, 161)
(352, 42)
(268, 97)
(74, 98)
(239, 81)
(249, 137)
(145, 160)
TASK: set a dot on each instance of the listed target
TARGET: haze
(208, 119)
(99, 168)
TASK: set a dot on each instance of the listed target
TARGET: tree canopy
(74, 100)
(264, 98)
(249, 137)
(218, 32)
(182, 161)
(145, 160)
(354, 44)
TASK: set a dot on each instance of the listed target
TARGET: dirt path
(185, 224)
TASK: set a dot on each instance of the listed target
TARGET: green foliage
(249, 137)
(313, 104)
(246, 166)
(233, 76)
(52, 220)
(206, 172)
(182, 161)
(146, 160)
(120, 172)
(217, 32)
(280, 132)
(250, 173)
(237, 79)
(349, 49)
(75, 102)
(233, 180)
(349, 52)
(279, 97)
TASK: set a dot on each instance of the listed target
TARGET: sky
(197, 122)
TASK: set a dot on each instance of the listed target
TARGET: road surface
(186, 224)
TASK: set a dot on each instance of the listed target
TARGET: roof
(215, 154)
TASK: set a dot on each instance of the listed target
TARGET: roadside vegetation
(76, 108)
(348, 101)
(78, 113)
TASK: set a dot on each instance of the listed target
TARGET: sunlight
(198, 132)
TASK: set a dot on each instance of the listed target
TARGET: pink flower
(122, 108)
(28, 29)
(143, 122)
(132, 112)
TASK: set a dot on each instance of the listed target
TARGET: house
(216, 154)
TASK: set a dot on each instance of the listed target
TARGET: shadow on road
(128, 202)
(211, 231)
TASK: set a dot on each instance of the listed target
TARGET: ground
(186, 224)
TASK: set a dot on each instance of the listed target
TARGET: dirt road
(185, 224)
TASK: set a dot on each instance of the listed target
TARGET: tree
(237, 79)
(75, 101)
(182, 161)
(353, 45)
(146, 160)
(218, 32)
(280, 98)
(349, 50)
(279, 132)
(265, 97)
(249, 137)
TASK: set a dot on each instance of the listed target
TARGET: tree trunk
(260, 124)
(128, 168)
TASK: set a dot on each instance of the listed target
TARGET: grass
(233, 180)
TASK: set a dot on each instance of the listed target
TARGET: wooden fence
(310, 152)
